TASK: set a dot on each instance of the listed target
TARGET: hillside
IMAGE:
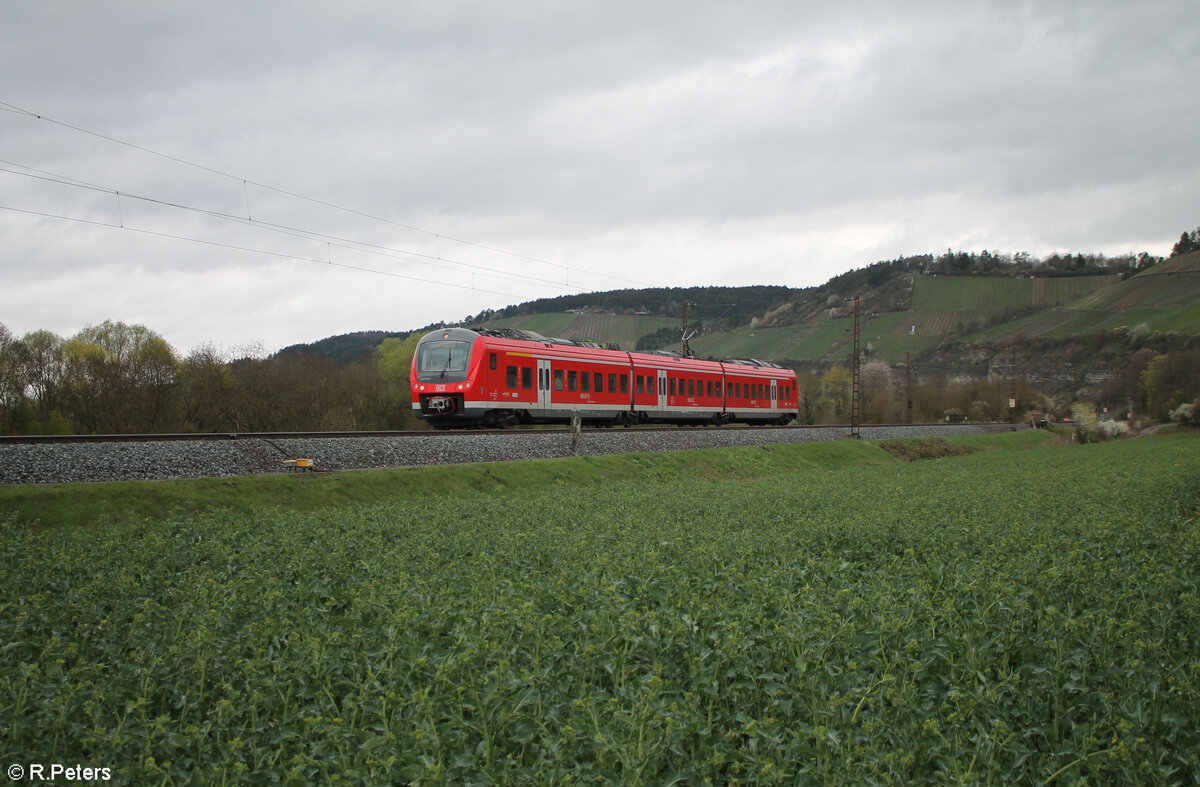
(1067, 332)
(954, 315)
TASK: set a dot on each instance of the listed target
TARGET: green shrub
(1087, 424)
(1187, 414)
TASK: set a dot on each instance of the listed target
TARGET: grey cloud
(612, 132)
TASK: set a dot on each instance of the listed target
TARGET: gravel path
(118, 461)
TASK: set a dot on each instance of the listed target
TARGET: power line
(235, 247)
(346, 243)
(295, 195)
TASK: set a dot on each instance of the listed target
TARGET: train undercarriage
(508, 418)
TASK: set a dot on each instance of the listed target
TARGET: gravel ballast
(46, 463)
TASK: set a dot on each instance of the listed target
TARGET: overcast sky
(279, 172)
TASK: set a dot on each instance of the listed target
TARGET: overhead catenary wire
(348, 243)
(247, 248)
(6, 106)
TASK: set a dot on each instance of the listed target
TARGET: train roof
(531, 336)
(518, 334)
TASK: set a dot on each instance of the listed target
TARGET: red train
(505, 377)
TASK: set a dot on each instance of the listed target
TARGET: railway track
(92, 458)
(220, 436)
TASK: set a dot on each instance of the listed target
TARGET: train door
(544, 389)
(662, 390)
(774, 395)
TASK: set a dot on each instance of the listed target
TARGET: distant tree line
(347, 347)
(115, 378)
(986, 263)
(1188, 242)
(1155, 384)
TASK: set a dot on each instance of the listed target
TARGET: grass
(986, 294)
(813, 613)
(814, 339)
(88, 504)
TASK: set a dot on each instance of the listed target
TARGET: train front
(444, 374)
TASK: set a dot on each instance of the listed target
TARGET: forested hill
(342, 348)
(721, 307)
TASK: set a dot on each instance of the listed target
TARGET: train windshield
(443, 356)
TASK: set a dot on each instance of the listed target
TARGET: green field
(810, 613)
(812, 340)
(990, 294)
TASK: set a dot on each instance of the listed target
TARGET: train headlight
(460, 387)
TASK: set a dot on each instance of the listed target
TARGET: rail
(210, 436)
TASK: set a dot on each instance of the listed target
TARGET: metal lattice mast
(908, 387)
(1012, 389)
(686, 350)
(856, 386)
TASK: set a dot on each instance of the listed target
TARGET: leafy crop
(997, 617)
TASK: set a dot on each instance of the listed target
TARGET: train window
(492, 362)
(691, 387)
(612, 383)
(671, 385)
(624, 383)
(572, 380)
(443, 356)
(558, 379)
(650, 385)
(585, 382)
(708, 387)
(718, 388)
(510, 376)
(641, 384)
(599, 383)
(526, 377)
